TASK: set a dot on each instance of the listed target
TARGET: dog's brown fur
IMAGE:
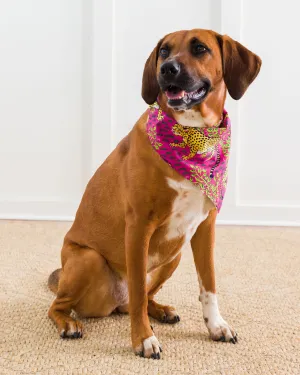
(125, 211)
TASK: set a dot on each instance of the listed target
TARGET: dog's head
(188, 67)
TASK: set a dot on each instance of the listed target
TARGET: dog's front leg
(203, 248)
(137, 238)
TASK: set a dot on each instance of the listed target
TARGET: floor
(259, 295)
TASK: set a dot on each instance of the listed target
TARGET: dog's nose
(170, 69)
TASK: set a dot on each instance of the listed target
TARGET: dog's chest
(190, 208)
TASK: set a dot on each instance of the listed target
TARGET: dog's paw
(150, 348)
(71, 329)
(162, 313)
(220, 330)
(171, 317)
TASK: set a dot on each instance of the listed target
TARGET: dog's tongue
(175, 93)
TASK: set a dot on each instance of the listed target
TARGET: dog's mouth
(183, 99)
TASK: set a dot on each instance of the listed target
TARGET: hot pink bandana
(198, 154)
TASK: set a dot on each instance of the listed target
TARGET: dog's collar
(198, 154)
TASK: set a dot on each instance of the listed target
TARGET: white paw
(220, 330)
(150, 348)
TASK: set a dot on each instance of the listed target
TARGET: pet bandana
(198, 154)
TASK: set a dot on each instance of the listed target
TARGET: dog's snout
(170, 68)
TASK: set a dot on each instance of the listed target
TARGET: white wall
(40, 107)
(265, 179)
(143, 23)
(70, 74)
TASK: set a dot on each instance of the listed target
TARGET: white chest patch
(190, 208)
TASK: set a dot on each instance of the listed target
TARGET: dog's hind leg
(78, 289)
(54, 280)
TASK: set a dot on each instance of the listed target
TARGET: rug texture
(259, 295)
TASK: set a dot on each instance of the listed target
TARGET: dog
(138, 213)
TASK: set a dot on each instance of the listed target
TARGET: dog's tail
(53, 280)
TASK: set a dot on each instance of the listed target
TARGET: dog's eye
(199, 48)
(164, 52)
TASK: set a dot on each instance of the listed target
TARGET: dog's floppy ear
(150, 87)
(240, 66)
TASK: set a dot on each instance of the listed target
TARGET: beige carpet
(258, 283)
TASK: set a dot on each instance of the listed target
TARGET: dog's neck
(194, 118)
(204, 115)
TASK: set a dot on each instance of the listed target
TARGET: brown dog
(137, 213)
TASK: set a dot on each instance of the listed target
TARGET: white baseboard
(260, 223)
(274, 223)
(52, 210)
(37, 217)
(60, 210)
